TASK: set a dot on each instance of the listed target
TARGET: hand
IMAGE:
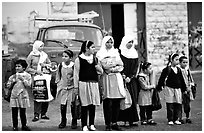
(75, 91)
(127, 80)
(39, 72)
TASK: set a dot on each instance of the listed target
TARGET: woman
(38, 63)
(129, 57)
(86, 70)
(112, 82)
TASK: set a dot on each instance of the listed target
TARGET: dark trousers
(186, 105)
(145, 113)
(173, 111)
(85, 110)
(40, 108)
(22, 116)
(111, 108)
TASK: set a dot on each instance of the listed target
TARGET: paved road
(159, 116)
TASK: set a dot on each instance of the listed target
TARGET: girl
(112, 82)
(172, 81)
(65, 85)
(19, 95)
(38, 63)
(86, 70)
(145, 94)
(129, 57)
(187, 95)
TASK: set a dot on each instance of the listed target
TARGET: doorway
(117, 17)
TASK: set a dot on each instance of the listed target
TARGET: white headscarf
(128, 53)
(103, 52)
(43, 56)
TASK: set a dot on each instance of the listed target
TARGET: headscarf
(36, 52)
(128, 53)
(103, 52)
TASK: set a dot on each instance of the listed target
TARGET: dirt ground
(159, 116)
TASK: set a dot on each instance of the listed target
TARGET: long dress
(130, 70)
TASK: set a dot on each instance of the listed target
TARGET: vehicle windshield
(73, 35)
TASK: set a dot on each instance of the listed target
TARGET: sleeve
(57, 78)
(76, 73)
(27, 80)
(99, 68)
(29, 67)
(183, 84)
(162, 79)
(143, 84)
(11, 81)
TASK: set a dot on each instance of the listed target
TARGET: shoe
(131, 124)
(188, 120)
(36, 118)
(151, 122)
(25, 128)
(108, 128)
(92, 128)
(170, 123)
(143, 123)
(74, 124)
(15, 128)
(116, 127)
(182, 121)
(63, 124)
(85, 128)
(45, 117)
(177, 122)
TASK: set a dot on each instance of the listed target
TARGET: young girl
(187, 96)
(112, 82)
(38, 64)
(172, 81)
(145, 94)
(86, 70)
(19, 95)
(65, 85)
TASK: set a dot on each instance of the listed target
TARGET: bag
(8, 91)
(76, 108)
(156, 103)
(194, 90)
(127, 101)
(41, 88)
(7, 96)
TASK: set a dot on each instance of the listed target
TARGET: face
(149, 69)
(175, 61)
(129, 44)
(41, 48)
(19, 68)
(184, 63)
(91, 49)
(65, 57)
(109, 44)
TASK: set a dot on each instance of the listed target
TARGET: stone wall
(167, 31)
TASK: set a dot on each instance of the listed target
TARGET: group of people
(101, 78)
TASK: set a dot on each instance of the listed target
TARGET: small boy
(187, 95)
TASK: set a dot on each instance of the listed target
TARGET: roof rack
(86, 17)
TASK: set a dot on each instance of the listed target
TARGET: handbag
(156, 103)
(8, 90)
(127, 101)
(76, 108)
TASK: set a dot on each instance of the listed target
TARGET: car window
(72, 35)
